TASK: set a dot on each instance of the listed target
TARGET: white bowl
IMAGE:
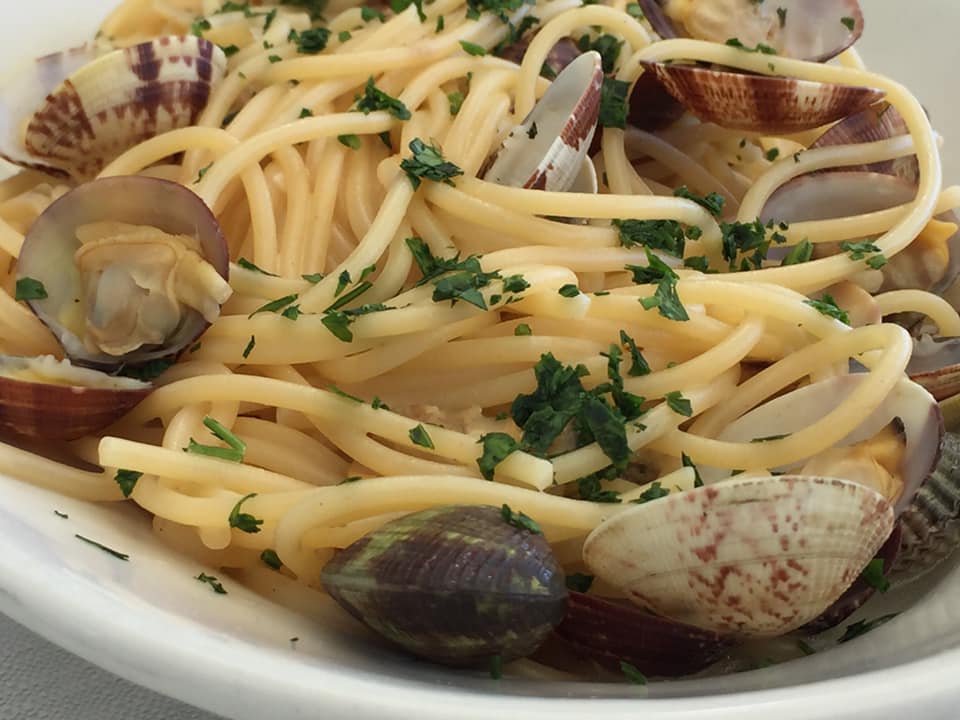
(150, 621)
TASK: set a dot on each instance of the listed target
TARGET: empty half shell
(547, 150)
(753, 557)
(84, 111)
(132, 270)
(815, 30)
(878, 122)
(48, 398)
(759, 103)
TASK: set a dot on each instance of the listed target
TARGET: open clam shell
(87, 110)
(878, 122)
(760, 103)
(908, 406)
(611, 632)
(814, 30)
(932, 265)
(652, 108)
(935, 364)
(752, 557)
(547, 150)
(50, 399)
(125, 281)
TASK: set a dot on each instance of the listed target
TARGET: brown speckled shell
(61, 412)
(758, 103)
(755, 557)
(121, 99)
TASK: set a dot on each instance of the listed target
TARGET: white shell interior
(150, 621)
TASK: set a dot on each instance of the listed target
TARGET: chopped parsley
(30, 289)
(635, 11)
(639, 364)
(245, 522)
(654, 492)
(398, 6)
(127, 480)
(61, 515)
(828, 306)
(697, 262)
(665, 235)
(148, 371)
(427, 162)
(455, 99)
(873, 575)
(760, 47)
(310, 42)
(420, 436)
(665, 298)
(344, 35)
(247, 265)
(687, 462)
(782, 16)
(368, 13)
(520, 520)
(713, 202)
(772, 154)
(678, 403)
(632, 673)
(467, 278)
(350, 140)
(497, 447)
(472, 48)
(591, 489)
(613, 103)
(338, 323)
(275, 306)
(101, 546)
(861, 250)
(212, 581)
(250, 346)
(522, 329)
(199, 27)
(848, 22)
(862, 627)
(313, 278)
(374, 98)
(271, 559)
(741, 238)
(799, 253)
(606, 45)
(569, 290)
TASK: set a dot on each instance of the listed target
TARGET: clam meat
(131, 270)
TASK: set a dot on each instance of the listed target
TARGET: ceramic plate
(150, 621)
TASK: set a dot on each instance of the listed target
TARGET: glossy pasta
(312, 198)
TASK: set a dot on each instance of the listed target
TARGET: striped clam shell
(878, 122)
(44, 398)
(935, 364)
(759, 103)
(751, 556)
(108, 105)
(814, 30)
(931, 524)
(548, 149)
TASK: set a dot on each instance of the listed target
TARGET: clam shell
(857, 594)
(759, 103)
(114, 102)
(44, 398)
(755, 557)
(562, 54)
(931, 524)
(610, 632)
(809, 29)
(908, 404)
(841, 193)
(48, 250)
(456, 585)
(935, 364)
(546, 151)
(652, 108)
(878, 122)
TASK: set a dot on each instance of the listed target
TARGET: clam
(85, 110)
(814, 30)
(51, 399)
(457, 585)
(931, 262)
(125, 271)
(935, 364)
(564, 52)
(610, 632)
(760, 103)
(548, 150)
(857, 594)
(750, 557)
(877, 122)
(651, 107)
(893, 450)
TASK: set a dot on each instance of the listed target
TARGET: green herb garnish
(127, 480)
(520, 520)
(212, 581)
(497, 447)
(245, 522)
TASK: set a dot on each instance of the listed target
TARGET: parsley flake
(270, 558)
(519, 520)
(127, 480)
(420, 436)
(374, 99)
(862, 627)
(873, 575)
(30, 289)
(828, 306)
(245, 522)
(678, 403)
(713, 202)
(613, 103)
(427, 162)
(212, 581)
(497, 447)
(632, 673)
